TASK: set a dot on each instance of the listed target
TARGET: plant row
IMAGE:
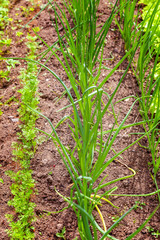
(81, 45)
(23, 185)
(22, 188)
(146, 68)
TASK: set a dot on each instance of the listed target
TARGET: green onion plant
(146, 69)
(127, 23)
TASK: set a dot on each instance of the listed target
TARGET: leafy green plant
(4, 75)
(5, 41)
(23, 150)
(26, 10)
(4, 8)
(22, 188)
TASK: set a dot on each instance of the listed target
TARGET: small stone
(41, 175)
(44, 161)
(15, 119)
(59, 226)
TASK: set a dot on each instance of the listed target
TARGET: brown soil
(48, 169)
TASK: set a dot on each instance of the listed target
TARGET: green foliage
(4, 19)
(1, 112)
(128, 22)
(62, 234)
(147, 72)
(149, 82)
(22, 189)
(5, 41)
(26, 10)
(82, 50)
(1, 180)
(4, 75)
(23, 150)
(146, 15)
(153, 231)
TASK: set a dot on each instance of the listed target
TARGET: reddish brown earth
(48, 169)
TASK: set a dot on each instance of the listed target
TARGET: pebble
(15, 119)
(44, 161)
(41, 175)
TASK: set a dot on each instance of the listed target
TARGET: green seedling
(11, 99)
(140, 204)
(36, 29)
(62, 234)
(1, 112)
(153, 231)
(26, 10)
(12, 64)
(19, 34)
(5, 41)
(1, 180)
(4, 75)
(115, 218)
(13, 28)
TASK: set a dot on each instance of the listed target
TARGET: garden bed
(48, 169)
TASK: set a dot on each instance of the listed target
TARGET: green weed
(62, 234)
(153, 231)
